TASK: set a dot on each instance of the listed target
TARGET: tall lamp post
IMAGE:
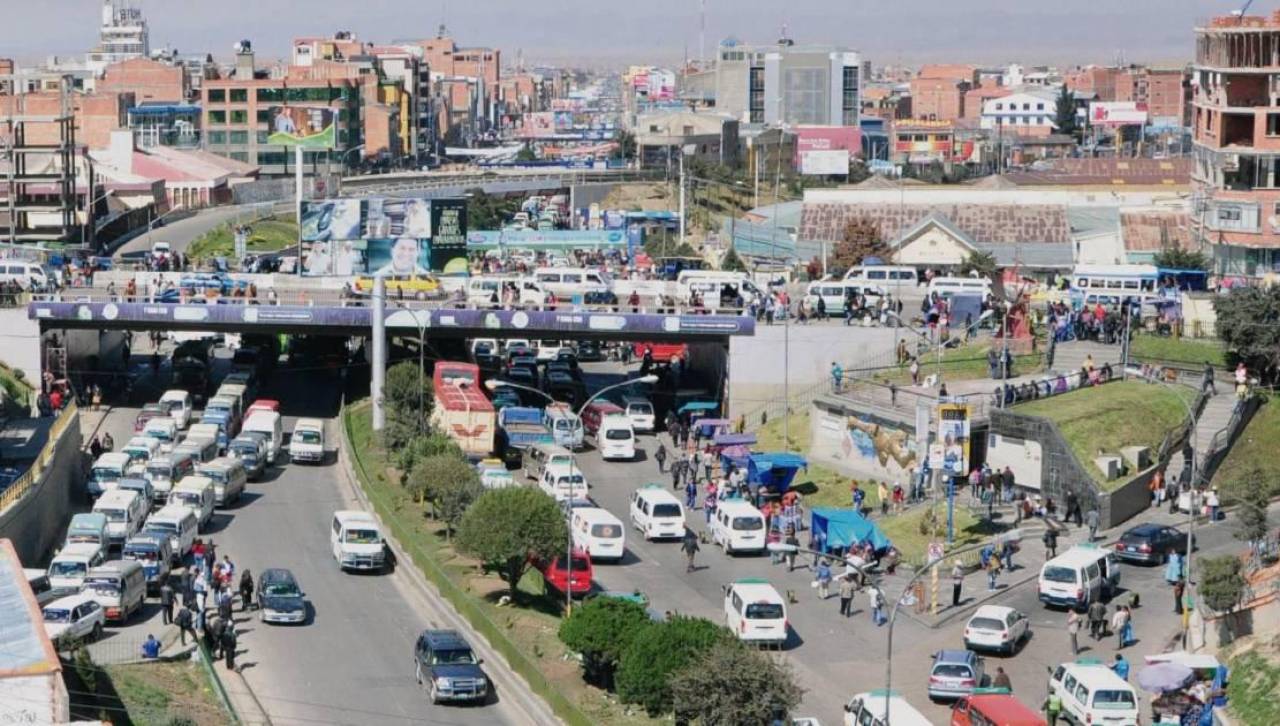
(493, 385)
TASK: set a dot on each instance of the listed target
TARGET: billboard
(824, 163)
(449, 236)
(952, 446)
(539, 124)
(311, 127)
(332, 219)
(348, 237)
(347, 258)
(1117, 113)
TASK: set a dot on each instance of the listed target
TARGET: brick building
(1166, 93)
(147, 80)
(96, 116)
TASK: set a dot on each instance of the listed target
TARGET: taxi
(418, 286)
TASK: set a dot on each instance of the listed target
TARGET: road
(180, 233)
(351, 663)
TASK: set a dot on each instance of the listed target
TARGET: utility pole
(379, 363)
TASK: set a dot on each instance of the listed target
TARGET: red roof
(457, 387)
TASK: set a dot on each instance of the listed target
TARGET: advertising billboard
(824, 163)
(347, 258)
(539, 124)
(1117, 113)
(953, 439)
(449, 236)
(348, 237)
(311, 127)
(332, 219)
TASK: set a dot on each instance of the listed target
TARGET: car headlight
(442, 682)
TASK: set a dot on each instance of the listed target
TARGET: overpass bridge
(442, 184)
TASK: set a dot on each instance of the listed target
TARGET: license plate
(1131, 549)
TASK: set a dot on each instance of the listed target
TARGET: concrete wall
(37, 522)
(861, 444)
(20, 341)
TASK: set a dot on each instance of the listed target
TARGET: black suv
(445, 662)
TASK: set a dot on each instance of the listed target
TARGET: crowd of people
(203, 596)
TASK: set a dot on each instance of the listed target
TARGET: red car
(263, 404)
(148, 412)
(559, 576)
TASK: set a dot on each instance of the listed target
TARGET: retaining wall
(37, 521)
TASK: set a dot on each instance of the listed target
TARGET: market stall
(836, 530)
(1188, 687)
(774, 471)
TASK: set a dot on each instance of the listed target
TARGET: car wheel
(435, 699)
(96, 634)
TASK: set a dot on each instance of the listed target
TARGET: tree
(420, 447)
(488, 211)
(657, 651)
(627, 145)
(1178, 258)
(505, 527)
(1254, 498)
(404, 388)
(731, 684)
(601, 629)
(1221, 584)
(449, 483)
(861, 239)
(732, 262)
(983, 263)
(1248, 322)
(526, 153)
(657, 246)
(1064, 112)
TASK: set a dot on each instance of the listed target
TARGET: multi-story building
(1098, 82)
(149, 81)
(1236, 121)
(235, 116)
(123, 35)
(1026, 111)
(1164, 91)
(938, 91)
(788, 84)
(975, 99)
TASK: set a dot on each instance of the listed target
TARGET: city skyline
(1150, 31)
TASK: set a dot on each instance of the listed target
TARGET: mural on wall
(873, 441)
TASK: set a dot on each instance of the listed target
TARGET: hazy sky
(899, 31)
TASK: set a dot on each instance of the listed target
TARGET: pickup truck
(521, 427)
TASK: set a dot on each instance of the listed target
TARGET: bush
(19, 374)
(601, 629)
(730, 684)
(656, 651)
(400, 396)
(420, 447)
(1221, 583)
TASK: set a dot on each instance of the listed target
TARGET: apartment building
(1236, 121)
(1026, 111)
(788, 84)
(1164, 91)
(938, 91)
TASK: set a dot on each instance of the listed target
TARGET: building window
(999, 106)
(239, 138)
(271, 157)
(1273, 124)
(216, 138)
(1229, 214)
(261, 136)
(242, 156)
(1039, 106)
(217, 117)
(240, 117)
(1026, 107)
(264, 116)
(270, 95)
(217, 95)
(239, 95)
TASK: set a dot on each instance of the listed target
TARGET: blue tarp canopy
(707, 426)
(736, 455)
(699, 406)
(734, 439)
(775, 469)
(840, 528)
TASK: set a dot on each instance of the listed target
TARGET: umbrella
(1163, 677)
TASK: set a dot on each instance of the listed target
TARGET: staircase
(1215, 417)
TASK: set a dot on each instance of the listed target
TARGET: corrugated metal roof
(24, 647)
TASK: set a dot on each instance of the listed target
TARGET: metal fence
(22, 484)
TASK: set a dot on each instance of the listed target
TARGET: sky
(654, 31)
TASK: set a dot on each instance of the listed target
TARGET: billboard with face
(311, 127)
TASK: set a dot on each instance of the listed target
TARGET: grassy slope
(1254, 447)
(1191, 352)
(1112, 416)
(1252, 689)
(154, 693)
(965, 363)
(268, 235)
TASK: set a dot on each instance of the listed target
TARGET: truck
(191, 366)
(520, 427)
(462, 410)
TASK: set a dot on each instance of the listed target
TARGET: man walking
(1179, 588)
(183, 621)
(166, 602)
(1208, 384)
(846, 595)
(823, 578)
(661, 456)
(1091, 519)
(957, 582)
(1118, 623)
(229, 645)
(877, 605)
(1052, 707)
(1097, 620)
(1073, 631)
(690, 548)
(1050, 543)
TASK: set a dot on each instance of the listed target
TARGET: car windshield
(217, 475)
(986, 624)
(1117, 700)
(102, 586)
(170, 405)
(163, 471)
(147, 554)
(280, 589)
(64, 568)
(160, 434)
(106, 473)
(618, 435)
(57, 615)
(952, 670)
(191, 498)
(1059, 574)
(764, 611)
(217, 407)
(161, 528)
(747, 524)
(137, 452)
(113, 515)
(640, 409)
(606, 531)
(362, 536)
(666, 510)
(569, 481)
(461, 656)
(579, 563)
(308, 437)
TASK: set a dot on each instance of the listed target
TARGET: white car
(996, 627)
(74, 618)
(179, 405)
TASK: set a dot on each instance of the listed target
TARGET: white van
(482, 289)
(755, 612)
(356, 541)
(204, 431)
(657, 513)
(834, 292)
(26, 274)
(195, 492)
(564, 483)
(180, 406)
(228, 477)
(1092, 693)
(125, 511)
(889, 277)
(598, 532)
(538, 458)
(164, 471)
(163, 430)
(73, 562)
(201, 448)
(307, 441)
(946, 287)
(179, 524)
(738, 527)
(714, 286)
(615, 438)
(107, 471)
(269, 423)
(140, 450)
(640, 411)
(876, 708)
(565, 425)
(88, 527)
(566, 282)
(119, 587)
(1079, 576)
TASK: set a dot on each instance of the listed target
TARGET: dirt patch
(153, 693)
(649, 197)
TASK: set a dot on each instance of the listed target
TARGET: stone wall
(37, 521)
(985, 223)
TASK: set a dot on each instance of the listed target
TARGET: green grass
(529, 631)
(1190, 352)
(820, 485)
(16, 393)
(905, 530)
(1252, 689)
(1254, 448)
(967, 362)
(267, 235)
(155, 693)
(1113, 416)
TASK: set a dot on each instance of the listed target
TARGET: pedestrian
(877, 605)
(1118, 622)
(837, 376)
(213, 635)
(1052, 707)
(915, 371)
(166, 602)
(1121, 666)
(1073, 631)
(957, 582)
(95, 448)
(151, 647)
(690, 495)
(1097, 613)
(229, 645)
(1091, 519)
(661, 456)
(1050, 542)
(1179, 588)
(882, 493)
(690, 548)
(246, 589)
(857, 495)
(822, 579)
(1208, 383)
(1126, 633)
(846, 595)
(792, 543)
(1002, 680)
(96, 397)
(710, 504)
(184, 620)
(224, 603)
(676, 466)
(201, 588)
(993, 571)
(1211, 501)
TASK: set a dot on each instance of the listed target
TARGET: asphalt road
(180, 233)
(351, 662)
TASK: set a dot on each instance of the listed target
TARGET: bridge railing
(22, 484)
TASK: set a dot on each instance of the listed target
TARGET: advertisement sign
(449, 236)
(953, 437)
(536, 125)
(824, 163)
(331, 219)
(311, 127)
(395, 218)
(1117, 113)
